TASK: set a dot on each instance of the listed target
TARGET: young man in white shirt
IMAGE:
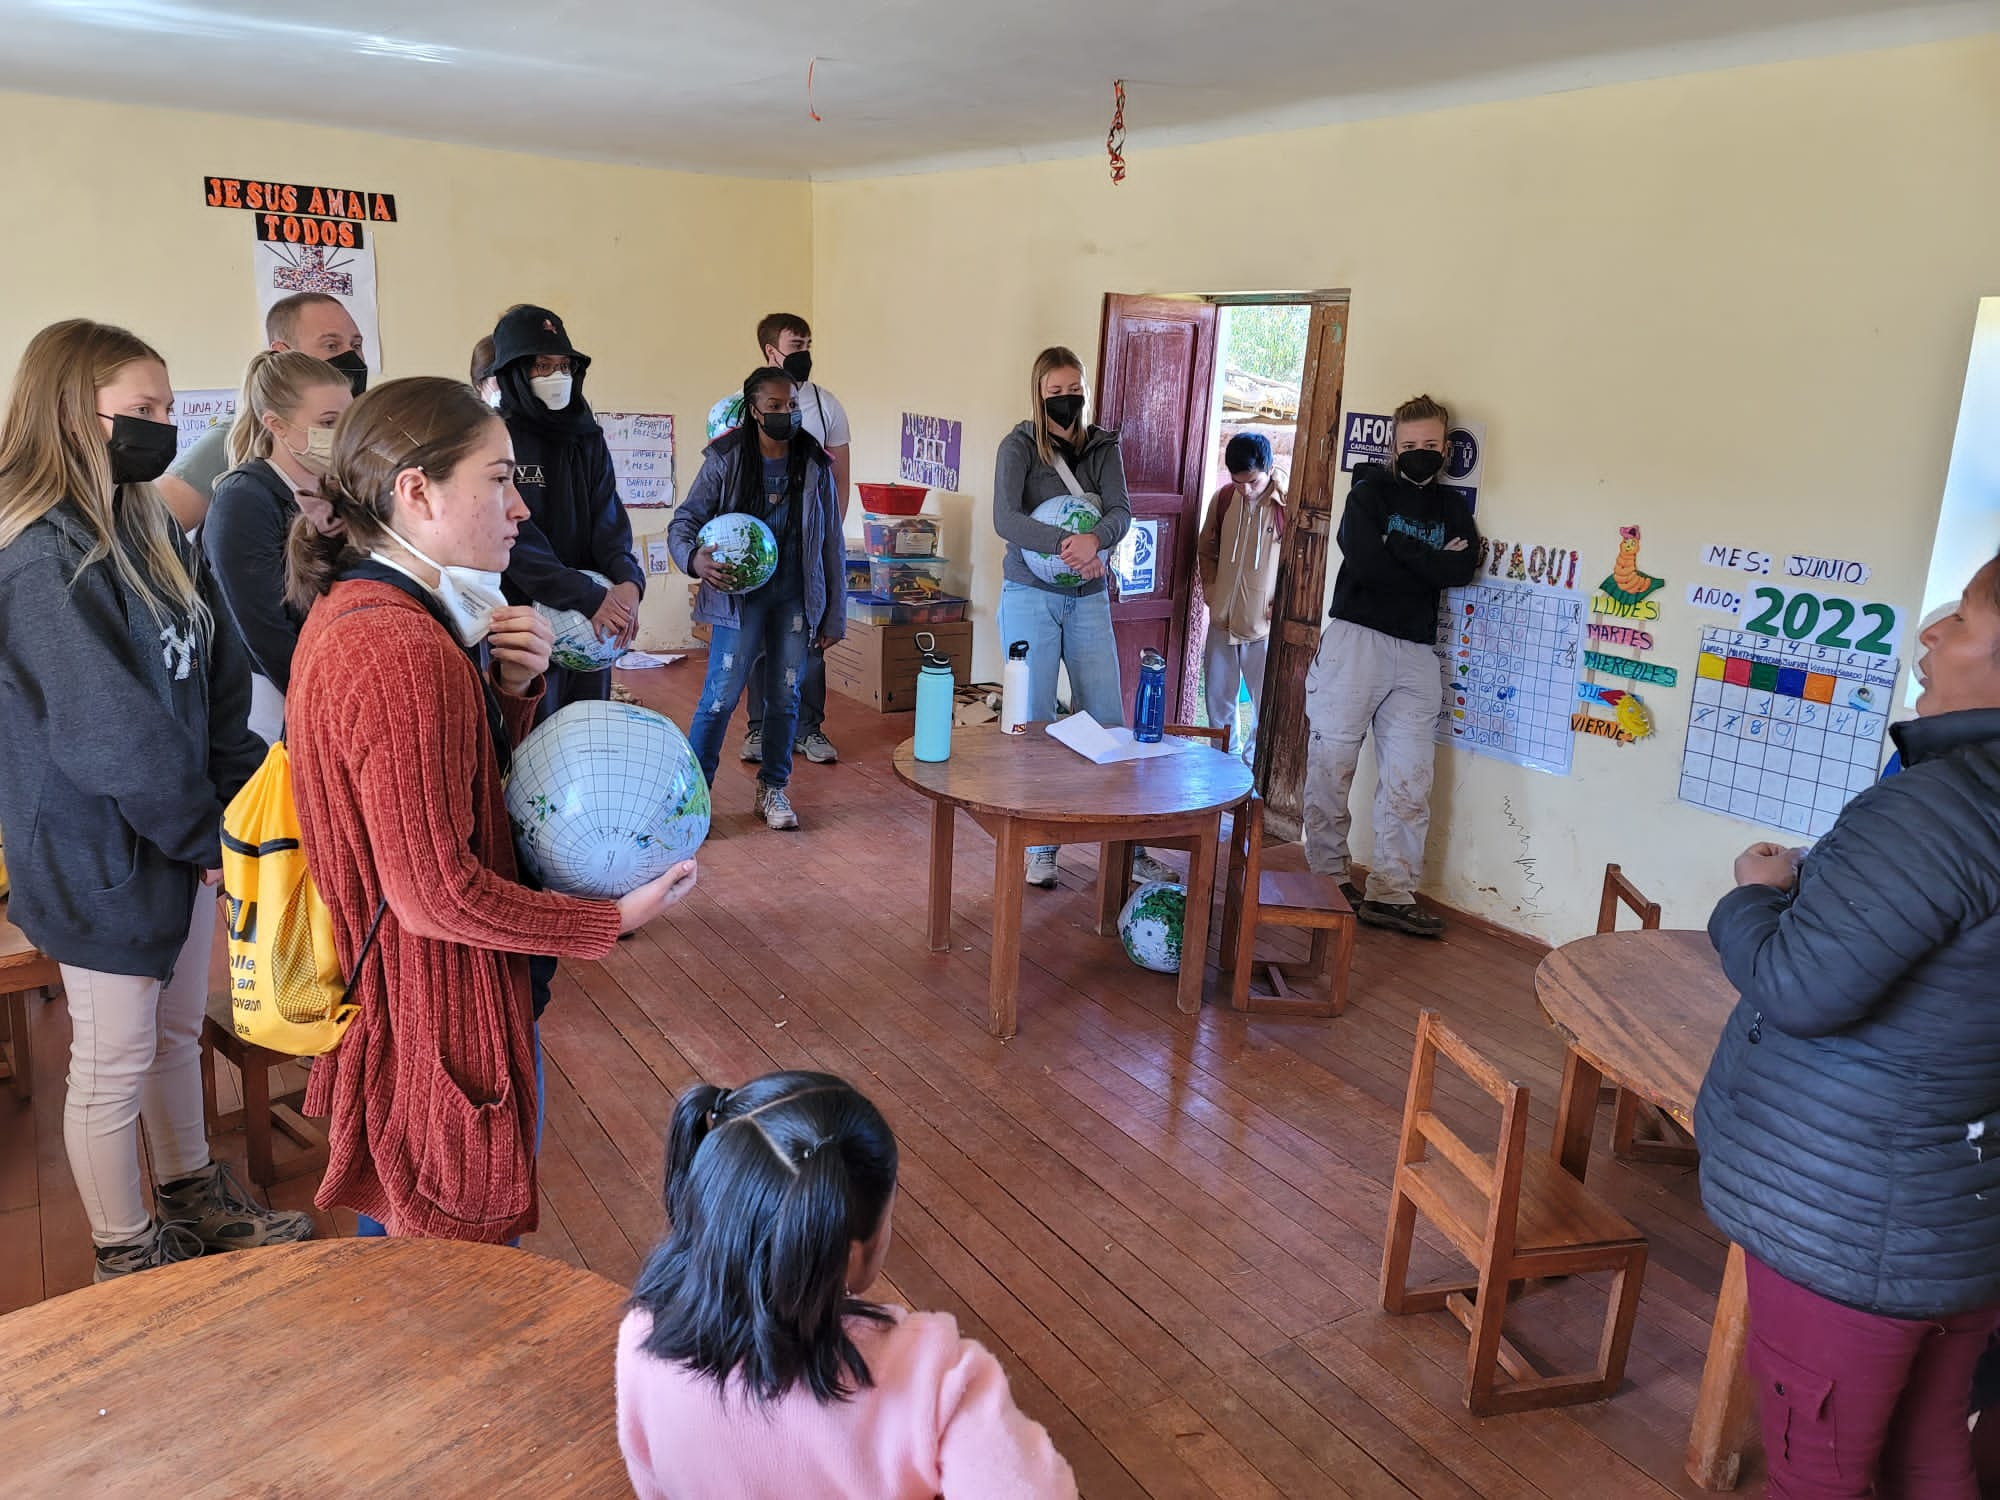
(785, 340)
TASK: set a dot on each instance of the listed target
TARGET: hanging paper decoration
(811, 63)
(1631, 720)
(1114, 142)
(1627, 584)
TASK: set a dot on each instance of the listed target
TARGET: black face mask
(799, 365)
(354, 367)
(778, 425)
(1420, 465)
(141, 450)
(1062, 410)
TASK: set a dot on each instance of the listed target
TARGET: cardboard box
(877, 664)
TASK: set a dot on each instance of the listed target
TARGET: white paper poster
(284, 269)
(642, 455)
(197, 411)
(1136, 559)
(1510, 663)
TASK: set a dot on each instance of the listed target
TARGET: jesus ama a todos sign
(300, 214)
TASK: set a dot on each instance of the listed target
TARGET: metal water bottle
(1014, 690)
(936, 692)
(1149, 708)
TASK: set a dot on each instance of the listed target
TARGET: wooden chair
(24, 970)
(1114, 872)
(260, 1113)
(1254, 897)
(1516, 1216)
(1665, 1141)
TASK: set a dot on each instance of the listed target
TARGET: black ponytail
(767, 1187)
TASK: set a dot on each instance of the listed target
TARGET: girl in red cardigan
(399, 738)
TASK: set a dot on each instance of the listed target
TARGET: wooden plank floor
(1169, 1227)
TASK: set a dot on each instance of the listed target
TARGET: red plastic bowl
(892, 499)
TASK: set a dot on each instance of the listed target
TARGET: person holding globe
(412, 680)
(769, 468)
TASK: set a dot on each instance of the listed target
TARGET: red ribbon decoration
(1114, 142)
(809, 88)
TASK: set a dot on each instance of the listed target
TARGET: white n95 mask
(468, 596)
(552, 390)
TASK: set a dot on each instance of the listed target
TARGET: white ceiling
(720, 85)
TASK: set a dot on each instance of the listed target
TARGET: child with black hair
(750, 1365)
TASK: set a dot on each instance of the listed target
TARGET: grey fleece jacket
(1021, 481)
(120, 740)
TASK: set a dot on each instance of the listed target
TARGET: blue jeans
(774, 629)
(366, 1228)
(1070, 630)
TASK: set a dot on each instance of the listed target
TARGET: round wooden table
(1644, 1011)
(1028, 789)
(334, 1367)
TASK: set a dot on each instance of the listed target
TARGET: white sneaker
(775, 807)
(1042, 867)
(1146, 868)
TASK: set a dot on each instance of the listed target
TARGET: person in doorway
(401, 738)
(309, 322)
(1058, 452)
(1850, 1119)
(292, 402)
(1238, 558)
(122, 734)
(563, 470)
(1403, 539)
(750, 1361)
(483, 380)
(785, 340)
(772, 468)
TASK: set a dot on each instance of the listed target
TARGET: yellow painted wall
(661, 276)
(1728, 307)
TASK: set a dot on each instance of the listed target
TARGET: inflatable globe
(1072, 513)
(578, 645)
(605, 797)
(745, 550)
(1150, 926)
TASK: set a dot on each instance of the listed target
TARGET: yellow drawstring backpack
(286, 989)
(3, 869)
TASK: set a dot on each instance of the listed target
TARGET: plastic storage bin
(900, 536)
(858, 579)
(877, 609)
(892, 499)
(907, 580)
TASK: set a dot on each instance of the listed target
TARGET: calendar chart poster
(1510, 657)
(642, 456)
(1781, 732)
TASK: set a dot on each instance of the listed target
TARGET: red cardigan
(432, 1090)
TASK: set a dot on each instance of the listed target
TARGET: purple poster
(930, 451)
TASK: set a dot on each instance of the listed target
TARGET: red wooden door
(1156, 382)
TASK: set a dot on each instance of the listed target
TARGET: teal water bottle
(935, 694)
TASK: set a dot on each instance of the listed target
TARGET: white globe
(1072, 513)
(1150, 925)
(605, 797)
(745, 550)
(578, 645)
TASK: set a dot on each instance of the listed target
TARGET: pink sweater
(939, 1420)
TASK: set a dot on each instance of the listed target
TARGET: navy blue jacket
(575, 521)
(1850, 1120)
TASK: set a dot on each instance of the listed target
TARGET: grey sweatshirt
(1021, 481)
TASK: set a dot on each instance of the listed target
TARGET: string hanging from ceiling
(1114, 142)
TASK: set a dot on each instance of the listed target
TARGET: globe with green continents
(1150, 926)
(605, 797)
(578, 646)
(745, 550)
(1072, 513)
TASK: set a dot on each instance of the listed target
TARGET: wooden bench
(1255, 897)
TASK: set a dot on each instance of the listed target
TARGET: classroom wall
(660, 276)
(1731, 307)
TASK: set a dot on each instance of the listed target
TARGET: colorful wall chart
(1510, 652)
(642, 456)
(1784, 728)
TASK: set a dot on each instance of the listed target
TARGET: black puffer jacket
(1850, 1121)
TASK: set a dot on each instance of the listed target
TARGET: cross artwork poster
(282, 269)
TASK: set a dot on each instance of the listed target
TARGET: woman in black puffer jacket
(1850, 1121)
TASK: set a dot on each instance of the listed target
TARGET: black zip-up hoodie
(120, 741)
(1393, 562)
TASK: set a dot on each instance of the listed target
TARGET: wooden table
(334, 1367)
(1643, 1011)
(1028, 789)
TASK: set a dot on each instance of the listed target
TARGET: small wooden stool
(260, 1111)
(24, 968)
(1665, 1142)
(1254, 897)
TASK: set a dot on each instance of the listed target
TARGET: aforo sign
(300, 214)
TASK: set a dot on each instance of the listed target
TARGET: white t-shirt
(820, 413)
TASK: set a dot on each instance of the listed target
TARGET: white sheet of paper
(632, 661)
(1090, 739)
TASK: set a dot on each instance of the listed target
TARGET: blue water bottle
(1149, 709)
(935, 694)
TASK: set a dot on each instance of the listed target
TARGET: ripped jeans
(776, 630)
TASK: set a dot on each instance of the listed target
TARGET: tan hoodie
(1238, 558)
